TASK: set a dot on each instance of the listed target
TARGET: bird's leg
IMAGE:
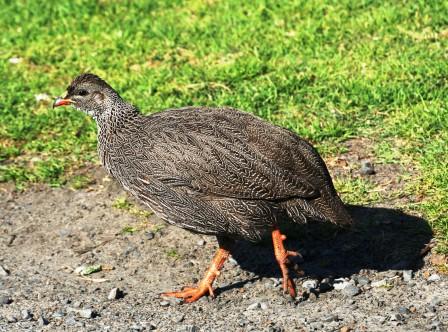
(281, 255)
(192, 294)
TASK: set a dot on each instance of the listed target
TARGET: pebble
(70, 321)
(179, 318)
(201, 242)
(4, 299)
(350, 290)
(188, 328)
(397, 317)
(11, 318)
(83, 313)
(149, 235)
(310, 284)
(263, 305)
(164, 304)
(57, 314)
(362, 281)
(407, 275)
(114, 294)
(3, 272)
(403, 310)
(254, 306)
(233, 261)
(340, 284)
(312, 296)
(42, 321)
(325, 287)
(15, 60)
(379, 283)
(435, 301)
(434, 277)
(42, 97)
(25, 314)
(330, 318)
(367, 167)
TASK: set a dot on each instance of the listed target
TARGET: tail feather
(327, 207)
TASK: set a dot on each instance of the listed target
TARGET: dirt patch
(47, 233)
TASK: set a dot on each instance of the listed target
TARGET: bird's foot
(282, 256)
(192, 294)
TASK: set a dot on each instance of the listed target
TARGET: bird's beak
(62, 101)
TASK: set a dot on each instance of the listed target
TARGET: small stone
(367, 167)
(15, 60)
(433, 277)
(276, 281)
(136, 327)
(435, 324)
(114, 294)
(407, 275)
(42, 321)
(233, 261)
(435, 301)
(312, 296)
(149, 235)
(310, 284)
(11, 319)
(4, 299)
(188, 328)
(42, 97)
(330, 318)
(70, 321)
(164, 304)
(350, 290)
(345, 329)
(179, 318)
(201, 242)
(254, 306)
(57, 314)
(379, 283)
(362, 281)
(340, 284)
(403, 310)
(25, 314)
(3, 272)
(325, 287)
(263, 305)
(397, 317)
(85, 313)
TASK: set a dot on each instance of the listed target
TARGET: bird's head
(90, 94)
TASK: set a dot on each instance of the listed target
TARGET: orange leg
(191, 294)
(281, 255)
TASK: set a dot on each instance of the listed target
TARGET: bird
(211, 170)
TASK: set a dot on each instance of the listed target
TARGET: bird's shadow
(380, 239)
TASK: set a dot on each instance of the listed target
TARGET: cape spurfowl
(215, 171)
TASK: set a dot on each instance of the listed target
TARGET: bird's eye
(83, 92)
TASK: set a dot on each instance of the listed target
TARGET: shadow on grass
(380, 239)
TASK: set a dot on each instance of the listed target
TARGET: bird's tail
(327, 207)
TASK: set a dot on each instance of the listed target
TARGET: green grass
(330, 70)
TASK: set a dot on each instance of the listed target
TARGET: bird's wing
(218, 159)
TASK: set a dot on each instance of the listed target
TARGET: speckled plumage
(216, 171)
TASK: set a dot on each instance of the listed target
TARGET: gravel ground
(374, 277)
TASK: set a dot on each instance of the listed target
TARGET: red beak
(62, 101)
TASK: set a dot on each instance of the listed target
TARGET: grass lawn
(329, 70)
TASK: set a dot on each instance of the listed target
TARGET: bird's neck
(118, 116)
